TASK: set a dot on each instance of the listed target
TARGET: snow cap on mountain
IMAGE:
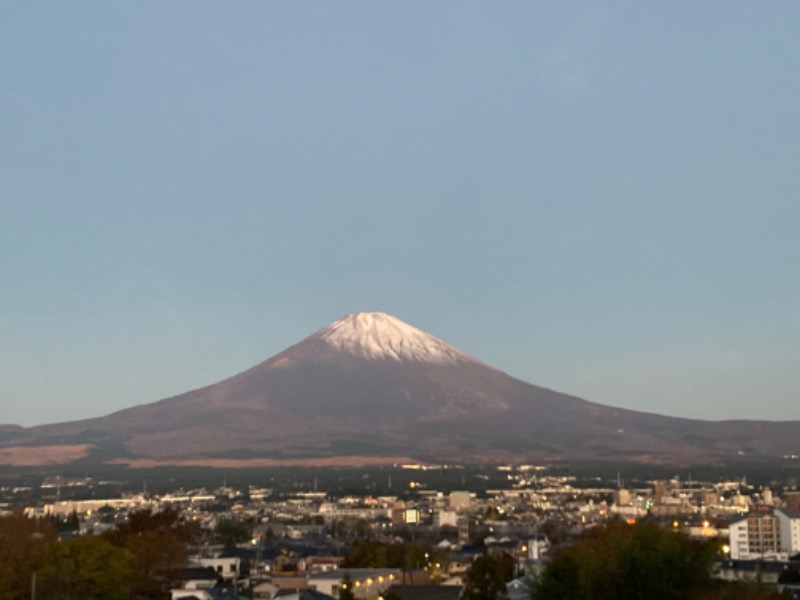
(379, 336)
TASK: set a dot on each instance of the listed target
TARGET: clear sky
(600, 198)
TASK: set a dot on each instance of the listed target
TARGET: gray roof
(303, 595)
(518, 589)
(427, 592)
(791, 513)
(354, 573)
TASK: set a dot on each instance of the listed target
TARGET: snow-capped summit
(374, 388)
(379, 336)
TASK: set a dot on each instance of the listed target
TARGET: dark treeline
(134, 561)
(113, 480)
(619, 561)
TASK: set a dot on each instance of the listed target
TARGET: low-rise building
(368, 584)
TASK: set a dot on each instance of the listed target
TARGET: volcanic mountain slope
(370, 384)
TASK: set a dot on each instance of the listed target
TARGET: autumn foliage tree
(158, 544)
(23, 543)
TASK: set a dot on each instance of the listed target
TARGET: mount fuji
(371, 388)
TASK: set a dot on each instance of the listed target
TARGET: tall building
(660, 492)
(622, 497)
(463, 530)
(766, 534)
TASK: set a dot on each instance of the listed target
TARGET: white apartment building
(771, 535)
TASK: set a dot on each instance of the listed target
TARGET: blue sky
(600, 199)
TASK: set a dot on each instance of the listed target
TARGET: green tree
(627, 562)
(559, 580)
(346, 590)
(230, 532)
(743, 590)
(69, 524)
(414, 557)
(85, 568)
(485, 580)
(362, 554)
(23, 543)
(374, 554)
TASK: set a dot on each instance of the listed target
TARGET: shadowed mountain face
(372, 385)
